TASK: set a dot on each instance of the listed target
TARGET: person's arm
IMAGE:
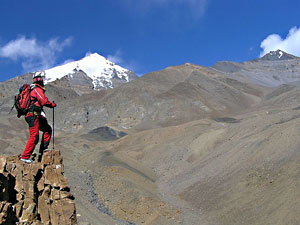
(42, 99)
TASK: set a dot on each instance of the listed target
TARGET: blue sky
(143, 35)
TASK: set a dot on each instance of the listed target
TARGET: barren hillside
(185, 145)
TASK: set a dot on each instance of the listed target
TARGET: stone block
(20, 196)
(12, 168)
(66, 194)
(43, 209)
(2, 164)
(19, 179)
(41, 184)
(29, 189)
(35, 193)
(52, 158)
(47, 191)
(29, 213)
(55, 194)
(54, 177)
(19, 208)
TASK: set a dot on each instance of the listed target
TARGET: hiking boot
(27, 160)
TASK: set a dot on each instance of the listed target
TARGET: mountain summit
(94, 69)
(271, 70)
(277, 55)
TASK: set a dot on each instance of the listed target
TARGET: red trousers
(36, 123)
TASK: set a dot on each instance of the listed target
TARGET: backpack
(22, 100)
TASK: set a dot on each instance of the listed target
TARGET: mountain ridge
(271, 70)
(185, 145)
(101, 72)
(278, 55)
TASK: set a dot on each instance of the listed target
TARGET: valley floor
(222, 171)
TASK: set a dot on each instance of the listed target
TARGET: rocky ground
(36, 193)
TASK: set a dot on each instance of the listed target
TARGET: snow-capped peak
(277, 55)
(95, 66)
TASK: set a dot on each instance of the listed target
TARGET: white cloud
(33, 54)
(291, 44)
(67, 61)
(197, 7)
(118, 59)
(88, 53)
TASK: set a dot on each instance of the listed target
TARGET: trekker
(36, 117)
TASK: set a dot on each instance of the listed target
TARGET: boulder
(36, 193)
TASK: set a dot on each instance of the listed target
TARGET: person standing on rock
(36, 117)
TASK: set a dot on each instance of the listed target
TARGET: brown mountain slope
(168, 97)
(229, 173)
(200, 148)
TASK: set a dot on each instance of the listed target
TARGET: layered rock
(35, 193)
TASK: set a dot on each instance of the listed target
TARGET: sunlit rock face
(35, 193)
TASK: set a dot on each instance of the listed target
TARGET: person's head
(38, 78)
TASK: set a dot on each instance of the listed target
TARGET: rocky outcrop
(35, 193)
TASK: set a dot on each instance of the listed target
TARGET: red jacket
(39, 99)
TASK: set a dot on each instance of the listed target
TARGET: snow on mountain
(98, 68)
(277, 55)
